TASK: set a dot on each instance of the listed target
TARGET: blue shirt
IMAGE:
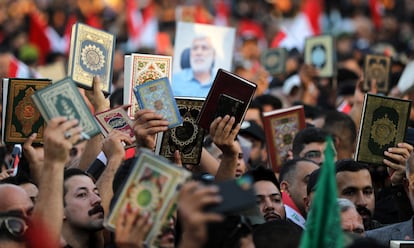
(184, 84)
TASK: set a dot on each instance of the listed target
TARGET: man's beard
(204, 66)
(365, 214)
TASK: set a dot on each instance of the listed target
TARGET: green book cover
(21, 117)
(383, 125)
(64, 99)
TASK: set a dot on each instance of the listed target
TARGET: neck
(76, 237)
(202, 77)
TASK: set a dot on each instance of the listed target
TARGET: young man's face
(357, 187)
(83, 204)
(202, 55)
(269, 200)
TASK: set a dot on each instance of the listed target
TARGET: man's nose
(361, 200)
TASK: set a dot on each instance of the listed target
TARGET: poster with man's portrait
(199, 51)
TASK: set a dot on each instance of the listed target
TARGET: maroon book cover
(229, 94)
(280, 128)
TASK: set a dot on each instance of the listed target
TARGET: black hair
(338, 123)
(268, 99)
(350, 165)
(288, 168)
(263, 174)
(71, 172)
(280, 232)
(307, 136)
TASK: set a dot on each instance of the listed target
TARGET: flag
(38, 36)
(323, 226)
(305, 24)
(292, 211)
(375, 9)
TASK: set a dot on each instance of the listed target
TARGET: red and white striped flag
(305, 24)
(292, 211)
(18, 69)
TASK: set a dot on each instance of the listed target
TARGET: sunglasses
(15, 226)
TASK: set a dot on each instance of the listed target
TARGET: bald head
(14, 198)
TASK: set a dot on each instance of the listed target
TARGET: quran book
(377, 67)
(142, 68)
(229, 95)
(187, 138)
(274, 60)
(280, 128)
(151, 187)
(116, 118)
(91, 54)
(157, 95)
(320, 52)
(64, 99)
(20, 115)
(383, 125)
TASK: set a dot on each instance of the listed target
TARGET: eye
(368, 191)
(82, 195)
(349, 192)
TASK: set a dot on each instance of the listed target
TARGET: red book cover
(280, 128)
(229, 94)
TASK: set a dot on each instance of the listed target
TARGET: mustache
(95, 210)
(363, 211)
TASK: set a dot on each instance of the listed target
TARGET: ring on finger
(67, 134)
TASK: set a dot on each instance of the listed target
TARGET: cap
(290, 83)
(253, 129)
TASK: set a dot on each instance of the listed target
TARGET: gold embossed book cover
(280, 128)
(151, 187)
(383, 125)
(377, 67)
(187, 138)
(91, 54)
(142, 68)
(20, 115)
(63, 98)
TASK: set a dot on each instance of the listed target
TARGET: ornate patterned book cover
(21, 115)
(116, 118)
(383, 125)
(280, 128)
(141, 68)
(150, 187)
(377, 67)
(157, 95)
(233, 92)
(188, 138)
(91, 53)
(320, 52)
(64, 99)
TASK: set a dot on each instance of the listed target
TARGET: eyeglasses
(13, 224)
(312, 154)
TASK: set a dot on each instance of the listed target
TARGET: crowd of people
(64, 189)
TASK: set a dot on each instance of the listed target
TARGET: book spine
(360, 127)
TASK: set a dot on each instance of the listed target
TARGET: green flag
(323, 225)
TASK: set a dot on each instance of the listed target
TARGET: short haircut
(263, 174)
(19, 179)
(337, 124)
(350, 165)
(345, 204)
(71, 172)
(307, 136)
(288, 170)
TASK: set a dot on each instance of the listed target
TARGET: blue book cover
(157, 95)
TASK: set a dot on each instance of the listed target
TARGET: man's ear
(284, 186)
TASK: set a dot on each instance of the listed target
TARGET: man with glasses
(310, 143)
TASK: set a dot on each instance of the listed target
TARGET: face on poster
(199, 51)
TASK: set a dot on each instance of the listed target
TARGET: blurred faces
(83, 208)
(357, 187)
(269, 200)
(351, 222)
(202, 55)
(14, 198)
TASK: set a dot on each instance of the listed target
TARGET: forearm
(227, 168)
(49, 206)
(104, 183)
(92, 149)
(208, 163)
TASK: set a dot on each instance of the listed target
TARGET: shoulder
(395, 231)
